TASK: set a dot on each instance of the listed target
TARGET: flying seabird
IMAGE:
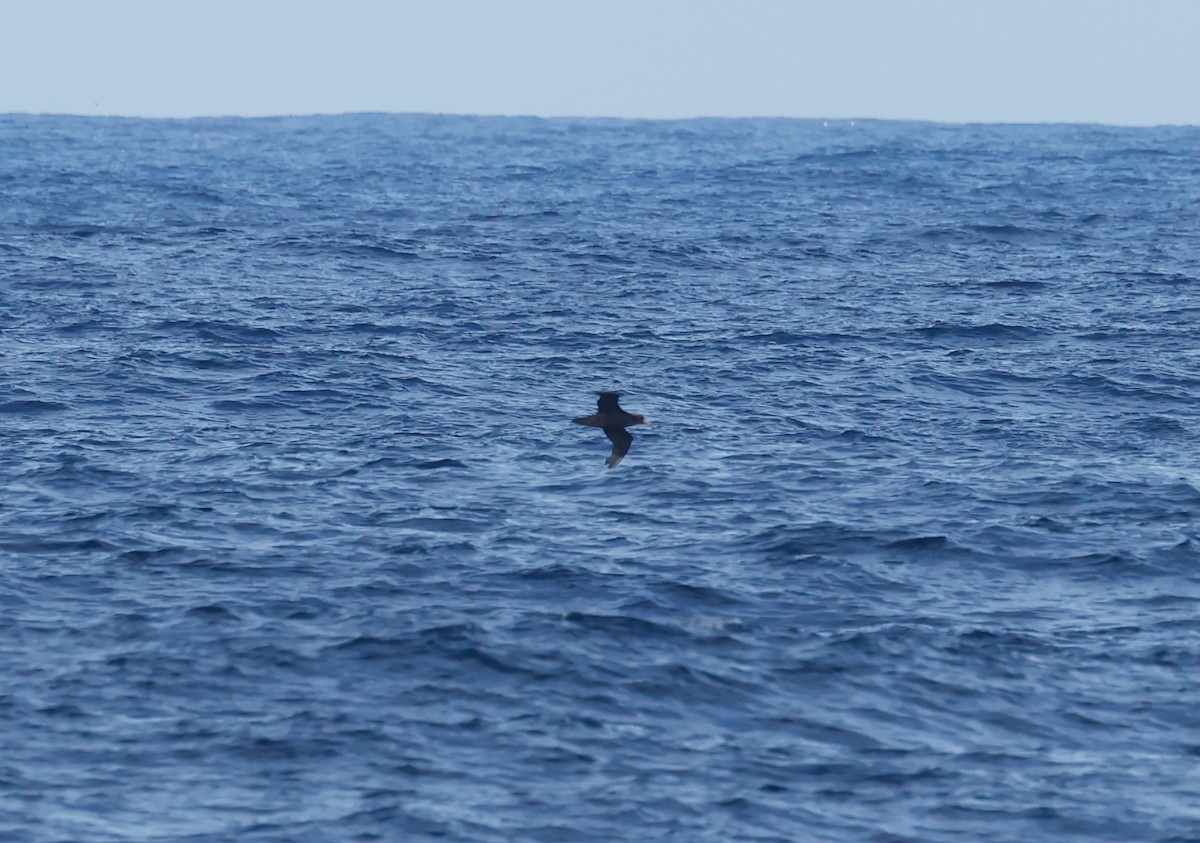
(614, 420)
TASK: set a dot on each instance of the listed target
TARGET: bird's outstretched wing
(621, 440)
(608, 402)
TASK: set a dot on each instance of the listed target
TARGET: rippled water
(298, 543)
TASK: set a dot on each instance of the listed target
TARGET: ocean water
(298, 542)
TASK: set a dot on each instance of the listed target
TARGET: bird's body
(613, 420)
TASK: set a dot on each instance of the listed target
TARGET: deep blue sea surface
(298, 541)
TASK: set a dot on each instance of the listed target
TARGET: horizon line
(597, 117)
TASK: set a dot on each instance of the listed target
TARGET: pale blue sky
(1109, 61)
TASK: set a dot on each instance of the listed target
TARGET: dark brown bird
(614, 420)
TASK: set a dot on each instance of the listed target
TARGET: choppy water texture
(298, 543)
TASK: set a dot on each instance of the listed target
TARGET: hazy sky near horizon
(1132, 62)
